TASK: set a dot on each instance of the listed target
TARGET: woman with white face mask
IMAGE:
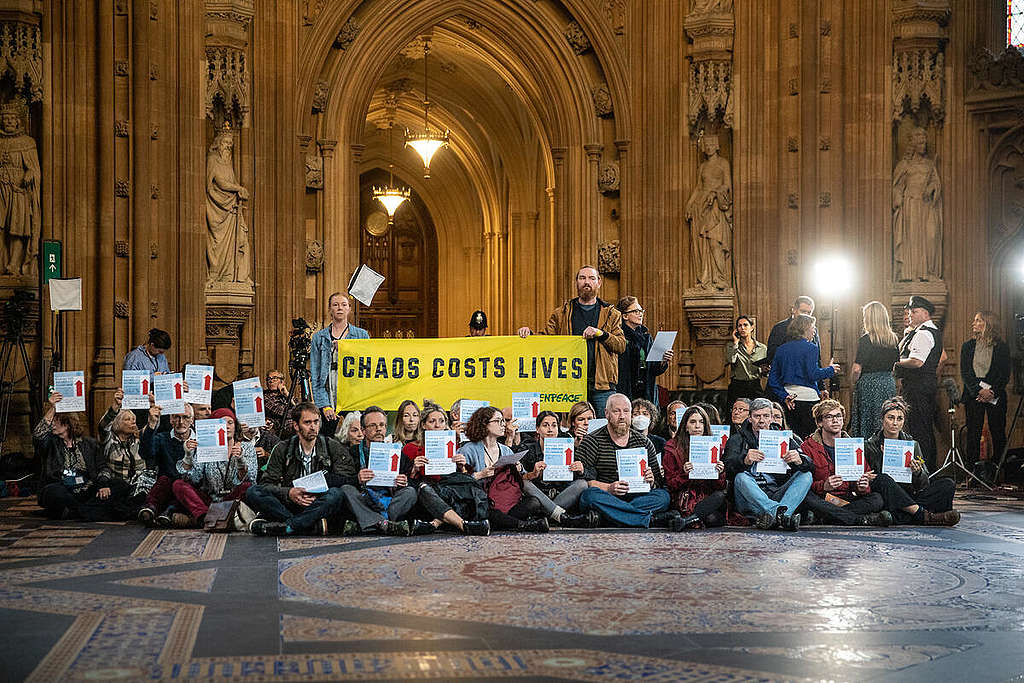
(645, 414)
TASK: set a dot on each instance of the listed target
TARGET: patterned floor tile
(196, 581)
(183, 543)
(889, 657)
(311, 629)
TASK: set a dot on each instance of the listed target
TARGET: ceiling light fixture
(428, 142)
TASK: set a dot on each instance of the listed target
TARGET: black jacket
(636, 377)
(48, 450)
(998, 372)
(873, 452)
(285, 465)
(745, 439)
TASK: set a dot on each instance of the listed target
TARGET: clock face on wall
(377, 223)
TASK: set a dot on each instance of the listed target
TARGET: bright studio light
(833, 273)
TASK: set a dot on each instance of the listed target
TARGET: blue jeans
(752, 500)
(300, 519)
(633, 509)
(598, 399)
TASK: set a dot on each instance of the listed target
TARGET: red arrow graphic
(145, 387)
(725, 439)
(568, 457)
(782, 448)
(643, 467)
(908, 455)
(714, 454)
(860, 456)
(220, 437)
(535, 407)
(177, 391)
(259, 404)
(451, 450)
(394, 462)
(206, 382)
(78, 388)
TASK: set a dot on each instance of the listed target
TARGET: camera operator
(323, 358)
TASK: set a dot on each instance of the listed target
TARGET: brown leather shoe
(948, 518)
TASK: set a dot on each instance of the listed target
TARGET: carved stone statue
(917, 214)
(227, 249)
(19, 194)
(709, 211)
(701, 6)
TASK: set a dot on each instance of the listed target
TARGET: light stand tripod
(300, 379)
(953, 457)
(14, 344)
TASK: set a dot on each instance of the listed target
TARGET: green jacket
(285, 465)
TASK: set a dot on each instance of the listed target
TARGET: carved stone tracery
(918, 71)
(608, 177)
(21, 55)
(227, 80)
(710, 27)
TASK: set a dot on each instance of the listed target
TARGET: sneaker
(181, 521)
(476, 528)
(790, 522)
(164, 520)
(350, 528)
(585, 520)
(147, 516)
(766, 521)
(537, 525)
(421, 528)
(882, 518)
(263, 527)
(389, 528)
(948, 518)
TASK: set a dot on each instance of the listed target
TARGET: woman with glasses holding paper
(456, 498)
(700, 501)
(636, 374)
(557, 498)
(908, 492)
(498, 471)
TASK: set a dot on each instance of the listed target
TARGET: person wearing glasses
(636, 375)
(744, 355)
(510, 508)
(323, 358)
(276, 401)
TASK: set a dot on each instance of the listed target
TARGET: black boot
(585, 520)
(693, 521)
(790, 522)
(537, 525)
(476, 528)
(666, 519)
(421, 528)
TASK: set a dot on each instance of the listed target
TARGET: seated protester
(407, 421)
(579, 419)
(644, 414)
(512, 438)
(201, 411)
(510, 509)
(701, 501)
(379, 509)
(202, 484)
(457, 498)
(276, 402)
(923, 501)
(286, 509)
(264, 441)
(556, 497)
(740, 412)
(350, 433)
(608, 494)
(165, 450)
(70, 464)
(778, 416)
(125, 468)
(769, 499)
(455, 419)
(666, 427)
(863, 507)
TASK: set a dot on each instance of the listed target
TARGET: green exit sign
(51, 260)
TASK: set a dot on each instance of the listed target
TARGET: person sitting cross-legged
(860, 505)
(608, 493)
(376, 508)
(284, 508)
(70, 463)
(165, 450)
(771, 500)
(702, 501)
(556, 497)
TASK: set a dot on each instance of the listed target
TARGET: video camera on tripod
(298, 359)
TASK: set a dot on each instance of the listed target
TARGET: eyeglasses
(635, 310)
(499, 421)
(833, 417)
(273, 377)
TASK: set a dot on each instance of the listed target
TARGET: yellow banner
(385, 372)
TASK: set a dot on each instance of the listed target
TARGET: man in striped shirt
(608, 493)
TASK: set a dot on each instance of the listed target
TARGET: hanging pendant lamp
(428, 142)
(391, 197)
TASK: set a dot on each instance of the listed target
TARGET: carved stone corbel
(227, 69)
(711, 27)
(918, 69)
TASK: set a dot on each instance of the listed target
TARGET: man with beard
(608, 493)
(600, 324)
(287, 509)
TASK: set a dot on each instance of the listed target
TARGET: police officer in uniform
(917, 372)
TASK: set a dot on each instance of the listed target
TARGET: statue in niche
(709, 211)
(19, 193)
(227, 248)
(702, 6)
(917, 214)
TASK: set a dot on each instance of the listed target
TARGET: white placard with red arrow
(558, 455)
(249, 406)
(439, 447)
(212, 440)
(722, 433)
(525, 407)
(632, 464)
(897, 456)
(774, 444)
(705, 453)
(71, 386)
(850, 458)
(169, 393)
(199, 379)
(384, 460)
(136, 384)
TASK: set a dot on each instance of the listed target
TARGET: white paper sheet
(169, 393)
(439, 447)
(66, 294)
(136, 384)
(558, 455)
(384, 460)
(364, 284)
(199, 379)
(71, 386)
(211, 440)
(662, 343)
(632, 465)
(312, 483)
(850, 458)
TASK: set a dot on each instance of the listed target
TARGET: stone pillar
(326, 148)
(561, 224)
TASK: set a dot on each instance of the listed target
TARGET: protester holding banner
(323, 357)
(609, 492)
(557, 498)
(285, 506)
(601, 325)
(701, 501)
(832, 499)
(70, 463)
(922, 501)
(769, 499)
(378, 509)
(637, 376)
(486, 458)
(456, 498)
(202, 484)
(407, 421)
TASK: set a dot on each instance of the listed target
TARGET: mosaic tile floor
(118, 602)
